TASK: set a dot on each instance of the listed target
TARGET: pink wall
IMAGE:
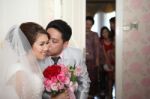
(136, 50)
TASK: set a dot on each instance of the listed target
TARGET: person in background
(112, 22)
(92, 56)
(109, 55)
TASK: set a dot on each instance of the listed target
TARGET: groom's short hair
(62, 27)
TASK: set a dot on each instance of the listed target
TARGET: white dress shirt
(73, 57)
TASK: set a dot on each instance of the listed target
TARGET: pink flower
(71, 94)
(54, 80)
(47, 83)
(73, 86)
(67, 80)
(60, 86)
(59, 77)
(64, 69)
(77, 71)
(63, 79)
(54, 86)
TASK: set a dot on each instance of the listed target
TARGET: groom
(60, 33)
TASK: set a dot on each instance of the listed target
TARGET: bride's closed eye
(42, 43)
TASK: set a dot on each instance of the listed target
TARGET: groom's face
(56, 42)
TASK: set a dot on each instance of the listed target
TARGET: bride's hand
(63, 95)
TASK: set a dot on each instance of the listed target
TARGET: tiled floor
(113, 93)
(102, 96)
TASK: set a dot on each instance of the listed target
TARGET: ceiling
(100, 1)
(94, 6)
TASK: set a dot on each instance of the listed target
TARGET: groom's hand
(63, 95)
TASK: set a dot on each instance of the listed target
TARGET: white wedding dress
(20, 73)
(31, 84)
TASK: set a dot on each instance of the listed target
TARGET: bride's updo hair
(31, 30)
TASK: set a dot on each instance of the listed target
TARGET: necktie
(55, 59)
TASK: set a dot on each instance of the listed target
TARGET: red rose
(52, 71)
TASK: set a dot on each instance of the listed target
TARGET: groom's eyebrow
(55, 39)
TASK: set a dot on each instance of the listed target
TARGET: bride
(21, 77)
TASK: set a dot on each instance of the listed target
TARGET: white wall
(18, 11)
(43, 11)
(119, 49)
(73, 11)
(98, 22)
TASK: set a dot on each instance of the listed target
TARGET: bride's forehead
(40, 36)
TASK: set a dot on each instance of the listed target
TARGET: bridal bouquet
(58, 78)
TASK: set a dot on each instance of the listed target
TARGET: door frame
(119, 49)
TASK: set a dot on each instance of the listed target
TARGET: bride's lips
(44, 53)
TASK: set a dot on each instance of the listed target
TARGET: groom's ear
(66, 44)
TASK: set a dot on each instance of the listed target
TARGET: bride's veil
(15, 55)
